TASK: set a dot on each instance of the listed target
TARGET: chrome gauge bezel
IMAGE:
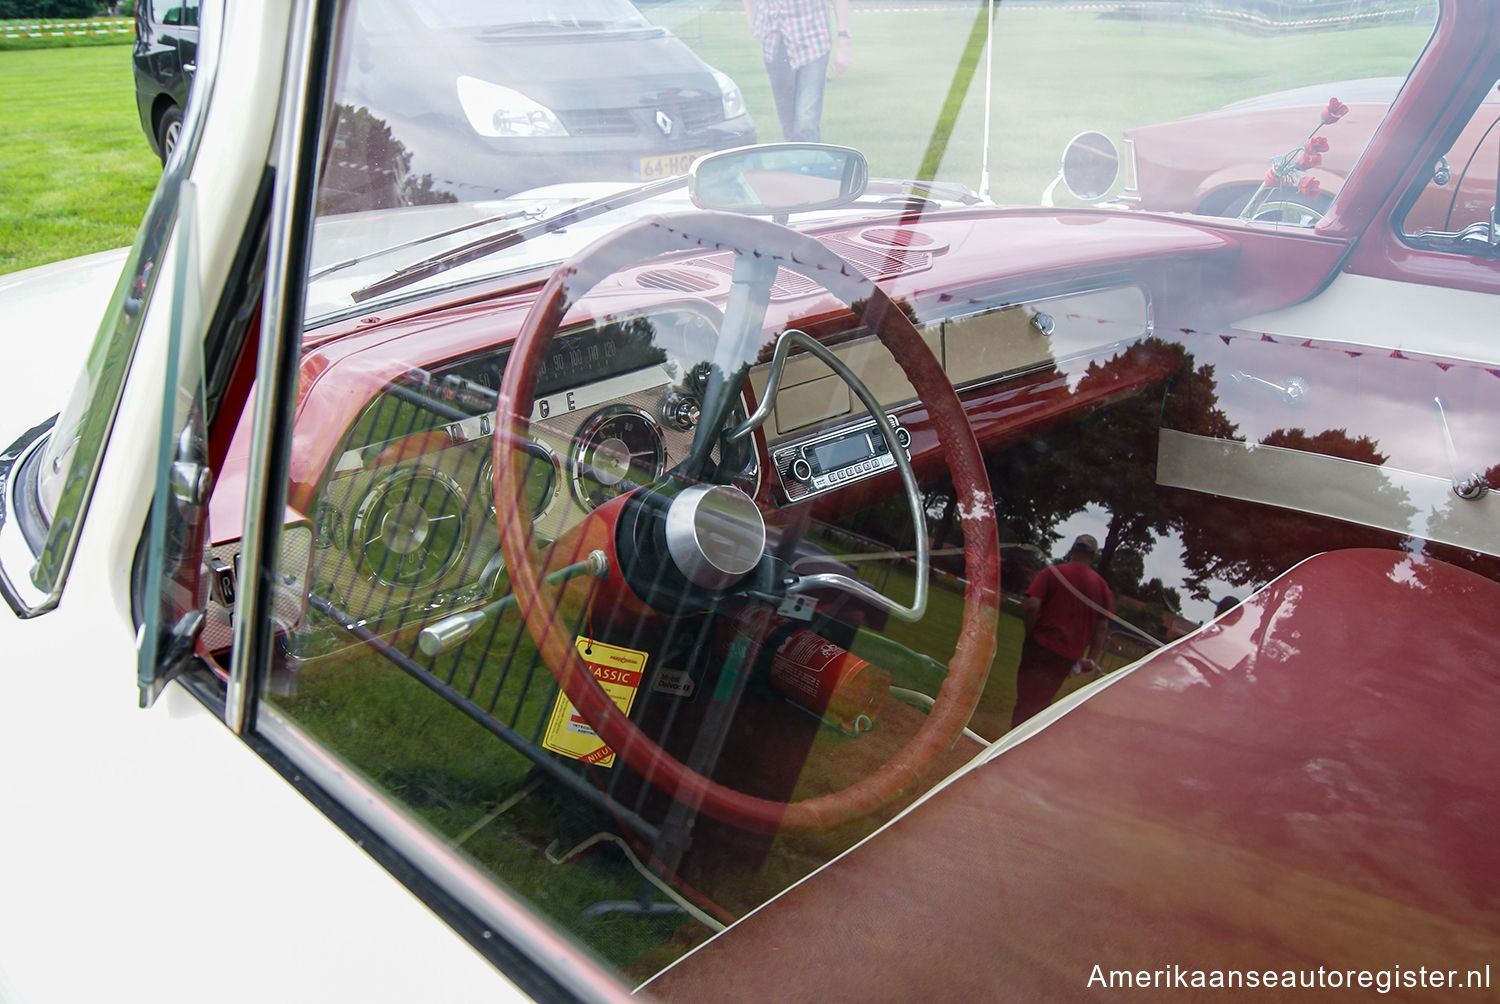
(542, 453)
(587, 437)
(370, 509)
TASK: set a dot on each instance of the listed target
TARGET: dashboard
(406, 516)
(395, 428)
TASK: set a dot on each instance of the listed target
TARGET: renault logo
(664, 122)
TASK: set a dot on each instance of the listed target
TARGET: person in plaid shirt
(794, 42)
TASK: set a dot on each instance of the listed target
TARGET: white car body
(173, 850)
(179, 867)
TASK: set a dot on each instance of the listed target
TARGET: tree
(369, 168)
(50, 9)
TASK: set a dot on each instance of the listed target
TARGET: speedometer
(617, 449)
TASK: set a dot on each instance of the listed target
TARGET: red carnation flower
(1309, 186)
(1318, 144)
(1307, 160)
(1336, 110)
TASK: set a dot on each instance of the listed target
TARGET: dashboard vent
(897, 237)
(679, 280)
(879, 252)
(881, 262)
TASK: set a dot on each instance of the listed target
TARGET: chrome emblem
(664, 122)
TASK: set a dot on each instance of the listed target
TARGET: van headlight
(499, 111)
(734, 101)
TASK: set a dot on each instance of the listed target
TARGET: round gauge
(540, 476)
(617, 449)
(410, 528)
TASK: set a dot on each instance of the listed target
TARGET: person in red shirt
(1067, 610)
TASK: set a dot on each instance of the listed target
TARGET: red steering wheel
(707, 231)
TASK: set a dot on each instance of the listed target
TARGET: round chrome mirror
(1090, 165)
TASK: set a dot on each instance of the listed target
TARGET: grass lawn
(1056, 73)
(78, 173)
(77, 169)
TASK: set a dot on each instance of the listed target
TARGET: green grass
(78, 173)
(1056, 73)
(77, 169)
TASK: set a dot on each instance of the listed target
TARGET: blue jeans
(798, 94)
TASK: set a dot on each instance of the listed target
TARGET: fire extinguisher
(820, 676)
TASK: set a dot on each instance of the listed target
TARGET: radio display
(842, 452)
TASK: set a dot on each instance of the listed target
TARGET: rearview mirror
(778, 179)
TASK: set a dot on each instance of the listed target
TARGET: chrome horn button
(715, 535)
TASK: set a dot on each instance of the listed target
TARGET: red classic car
(1213, 163)
(801, 578)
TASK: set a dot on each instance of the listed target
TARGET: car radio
(824, 462)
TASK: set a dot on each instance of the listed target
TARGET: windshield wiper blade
(475, 250)
(339, 266)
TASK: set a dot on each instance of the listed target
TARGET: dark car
(166, 54)
(514, 90)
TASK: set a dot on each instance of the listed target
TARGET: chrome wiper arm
(339, 266)
(474, 250)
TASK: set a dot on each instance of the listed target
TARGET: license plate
(666, 165)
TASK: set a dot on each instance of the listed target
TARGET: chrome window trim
(275, 366)
(34, 579)
(504, 917)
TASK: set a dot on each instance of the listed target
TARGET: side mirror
(1090, 164)
(778, 179)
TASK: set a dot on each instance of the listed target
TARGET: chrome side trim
(15, 550)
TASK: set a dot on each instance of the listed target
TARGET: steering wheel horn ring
(906, 771)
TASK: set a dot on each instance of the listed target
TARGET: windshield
(453, 113)
(689, 417)
(485, 15)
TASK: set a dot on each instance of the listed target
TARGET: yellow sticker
(619, 672)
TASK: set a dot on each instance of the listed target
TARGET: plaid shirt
(802, 25)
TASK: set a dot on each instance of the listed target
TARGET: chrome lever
(1295, 390)
(1468, 487)
(448, 633)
